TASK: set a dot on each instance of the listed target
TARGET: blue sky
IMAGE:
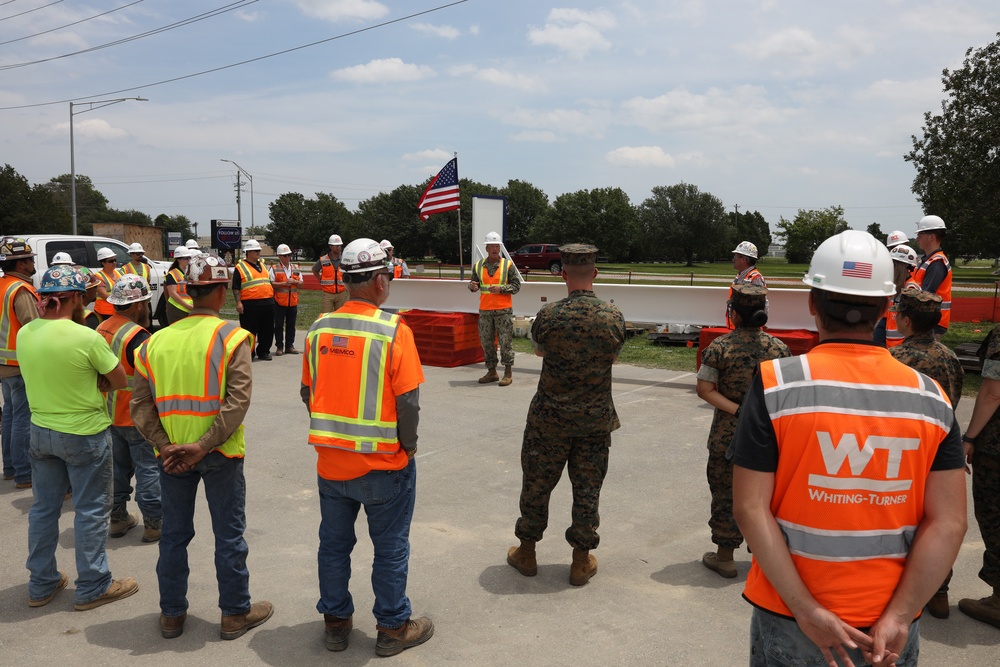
(772, 105)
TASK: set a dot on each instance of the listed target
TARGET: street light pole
(72, 150)
(249, 178)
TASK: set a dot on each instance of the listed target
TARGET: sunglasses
(109, 261)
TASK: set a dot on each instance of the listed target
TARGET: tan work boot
(583, 568)
(717, 562)
(986, 610)
(151, 530)
(237, 626)
(507, 377)
(118, 590)
(172, 627)
(491, 376)
(938, 606)
(41, 602)
(122, 522)
(391, 641)
(337, 630)
(522, 558)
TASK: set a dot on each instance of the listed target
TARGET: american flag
(441, 194)
(857, 270)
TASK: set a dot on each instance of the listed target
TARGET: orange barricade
(445, 339)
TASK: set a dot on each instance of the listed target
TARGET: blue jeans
(133, 455)
(779, 642)
(15, 429)
(388, 498)
(59, 460)
(226, 492)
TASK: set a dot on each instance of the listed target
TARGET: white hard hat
(181, 252)
(906, 254)
(206, 270)
(251, 245)
(61, 258)
(493, 237)
(929, 223)
(362, 255)
(852, 262)
(895, 238)
(283, 249)
(128, 289)
(335, 240)
(135, 247)
(104, 253)
(191, 243)
(746, 248)
(385, 244)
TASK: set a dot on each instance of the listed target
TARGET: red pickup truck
(538, 257)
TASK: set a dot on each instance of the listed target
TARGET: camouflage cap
(578, 254)
(915, 299)
(749, 295)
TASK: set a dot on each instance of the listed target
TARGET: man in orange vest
(139, 265)
(255, 298)
(125, 331)
(848, 483)
(934, 272)
(496, 280)
(286, 279)
(331, 280)
(18, 308)
(745, 263)
(397, 267)
(366, 444)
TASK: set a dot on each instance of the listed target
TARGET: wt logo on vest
(847, 450)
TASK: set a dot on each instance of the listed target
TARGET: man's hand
(831, 635)
(181, 458)
(473, 286)
(103, 385)
(889, 636)
(239, 307)
(969, 450)
(496, 289)
(410, 453)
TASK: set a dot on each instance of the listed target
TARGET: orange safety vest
(857, 433)
(9, 324)
(943, 290)
(119, 331)
(892, 335)
(101, 306)
(254, 284)
(142, 271)
(285, 297)
(489, 301)
(181, 284)
(329, 277)
(751, 275)
(397, 268)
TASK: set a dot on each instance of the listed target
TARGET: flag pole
(461, 261)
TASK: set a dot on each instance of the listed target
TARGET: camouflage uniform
(986, 471)
(730, 362)
(924, 353)
(498, 325)
(572, 414)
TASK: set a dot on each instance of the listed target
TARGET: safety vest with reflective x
(186, 366)
(119, 331)
(355, 349)
(9, 324)
(254, 283)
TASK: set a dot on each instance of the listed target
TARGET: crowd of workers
(841, 468)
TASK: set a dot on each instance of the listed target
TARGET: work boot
(491, 376)
(122, 522)
(522, 558)
(938, 606)
(291, 350)
(721, 562)
(41, 602)
(279, 352)
(337, 630)
(151, 530)
(986, 610)
(583, 568)
(172, 627)
(507, 377)
(118, 590)
(237, 626)
(391, 641)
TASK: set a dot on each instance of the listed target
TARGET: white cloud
(443, 31)
(640, 156)
(574, 31)
(474, 29)
(796, 51)
(561, 122)
(435, 154)
(338, 10)
(904, 93)
(741, 108)
(498, 77)
(89, 128)
(543, 137)
(944, 19)
(249, 17)
(383, 70)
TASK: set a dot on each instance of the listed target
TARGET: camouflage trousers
(497, 325)
(986, 499)
(544, 454)
(725, 532)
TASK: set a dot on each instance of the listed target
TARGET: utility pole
(195, 230)
(239, 187)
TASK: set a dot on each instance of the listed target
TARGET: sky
(770, 105)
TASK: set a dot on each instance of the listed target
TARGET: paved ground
(652, 602)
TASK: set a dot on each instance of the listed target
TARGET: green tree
(603, 216)
(754, 228)
(958, 157)
(90, 203)
(27, 209)
(808, 229)
(175, 223)
(876, 230)
(131, 217)
(680, 222)
(393, 215)
(308, 223)
(442, 229)
(525, 203)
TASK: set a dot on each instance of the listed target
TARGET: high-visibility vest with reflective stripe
(290, 296)
(356, 349)
(180, 304)
(330, 279)
(397, 268)
(748, 279)
(9, 324)
(101, 306)
(489, 301)
(892, 335)
(119, 331)
(186, 365)
(857, 432)
(143, 270)
(254, 284)
(943, 290)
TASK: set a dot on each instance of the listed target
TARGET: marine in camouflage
(986, 471)
(924, 353)
(497, 326)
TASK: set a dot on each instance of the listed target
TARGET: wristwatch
(969, 439)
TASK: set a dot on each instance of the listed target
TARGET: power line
(242, 62)
(68, 25)
(30, 10)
